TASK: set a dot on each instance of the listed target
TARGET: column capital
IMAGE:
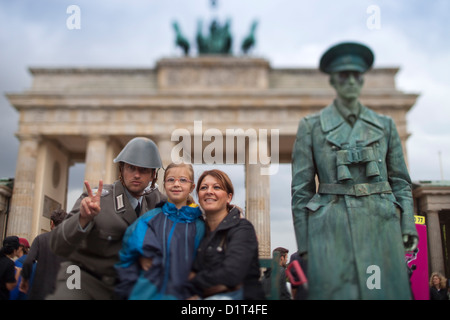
(98, 136)
(431, 211)
(29, 137)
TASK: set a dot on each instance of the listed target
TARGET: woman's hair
(223, 180)
(442, 280)
(188, 166)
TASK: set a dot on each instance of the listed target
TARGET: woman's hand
(145, 263)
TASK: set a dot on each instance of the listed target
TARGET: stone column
(111, 169)
(96, 159)
(5, 200)
(23, 199)
(165, 149)
(435, 242)
(258, 200)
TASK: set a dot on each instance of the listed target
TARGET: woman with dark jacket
(438, 287)
(227, 263)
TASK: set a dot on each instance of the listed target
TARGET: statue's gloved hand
(410, 242)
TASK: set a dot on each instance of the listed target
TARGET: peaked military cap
(347, 56)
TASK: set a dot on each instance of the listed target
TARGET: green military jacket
(355, 217)
(96, 247)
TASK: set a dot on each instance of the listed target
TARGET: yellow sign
(419, 219)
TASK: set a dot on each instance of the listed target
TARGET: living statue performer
(355, 227)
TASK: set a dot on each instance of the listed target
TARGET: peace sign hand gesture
(90, 205)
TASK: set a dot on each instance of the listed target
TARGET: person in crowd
(159, 248)
(227, 264)
(24, 248)
(16, 293)
(8, 253)
(360, 216)
(438, 287)
(298, 292)
(91, 235)
(281, 254)
(41, 265)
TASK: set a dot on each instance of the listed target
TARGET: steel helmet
(140, 152)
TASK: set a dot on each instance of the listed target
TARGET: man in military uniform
(91, 236)
(353, 230)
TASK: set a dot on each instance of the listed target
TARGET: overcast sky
(410, 34)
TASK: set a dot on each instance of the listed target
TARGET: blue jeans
(233, 295)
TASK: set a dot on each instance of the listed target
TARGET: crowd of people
(28, 273)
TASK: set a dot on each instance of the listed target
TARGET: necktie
(352, 119)
(138, 209)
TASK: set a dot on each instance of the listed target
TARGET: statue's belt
(362, 189)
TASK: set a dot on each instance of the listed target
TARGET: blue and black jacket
(170, 237)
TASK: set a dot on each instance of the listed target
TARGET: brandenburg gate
(71, 115)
